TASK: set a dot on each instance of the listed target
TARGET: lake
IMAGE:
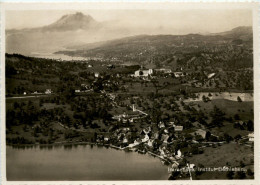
(58, 57)
(81, 162)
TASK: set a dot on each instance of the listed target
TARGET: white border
(135, 5)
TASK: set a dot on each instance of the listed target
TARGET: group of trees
(22, 113)
(249, 125)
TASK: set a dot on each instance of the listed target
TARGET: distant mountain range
(150, 45)
(81, 35)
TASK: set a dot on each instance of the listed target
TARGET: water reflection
(80, 162)
(58, 146)
(68, 146)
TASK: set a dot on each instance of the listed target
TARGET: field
(244, 109)
(225, 155)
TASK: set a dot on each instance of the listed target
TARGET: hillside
(229, 48)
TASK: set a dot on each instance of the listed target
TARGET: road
(33, 96)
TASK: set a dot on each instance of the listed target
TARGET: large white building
(143, 73)
(163, 70)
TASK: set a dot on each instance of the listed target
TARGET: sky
(167, 21)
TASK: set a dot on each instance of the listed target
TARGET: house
(147, 130)
(106, 139)
(240, 122)
(200, 132)
(137, 141)
(161, 125)
(125, 140)
(77, 91)
(110, 66)
(162, 154)
(85, 86)
(165, 138)
(251, 136)
(211, 75)
(175, 164)
(191, 166)
(198, 124)
(111, 96)
(126, 129)
(36, 92)
(89, 66)
(171, 124)
(131, 145)
(156, 135)
(96, 74)
(48, 91)
(178, 74)
(178, 154)
(24, 93)
(146, 138)
(150, 143)
(161, 150)
(143, 73)
(178, 128)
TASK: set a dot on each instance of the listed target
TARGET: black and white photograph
(118, 93)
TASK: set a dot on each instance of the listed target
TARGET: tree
(250, 125)
(236, 117)
(213, 138)
(249, 172)
(227, 138)
(174, 175)
(240, 175)
(237, 137)
(69, 93)
(242, 164)
(217, 116)
(199, 138)
(205, 99)
(195, 150)
(230, 174)
(208, 134)
(239, 99)
(40, 102)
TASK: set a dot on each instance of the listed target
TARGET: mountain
(73, 22)
(241, 32)
(71, 29)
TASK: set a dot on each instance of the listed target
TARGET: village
(173, 115)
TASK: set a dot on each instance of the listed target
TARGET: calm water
(81, 162)
(58, 56)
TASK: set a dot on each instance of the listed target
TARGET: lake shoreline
(37, 145)
(126, 149)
